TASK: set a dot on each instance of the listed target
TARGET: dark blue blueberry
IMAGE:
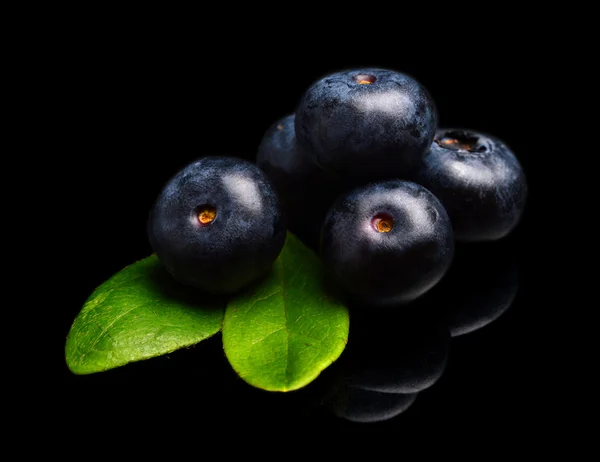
(306, 191)
(387, 243)
(217, 224)
(286, 164)
(479, 181)
(367, 123)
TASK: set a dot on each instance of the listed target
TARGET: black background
(141, 109)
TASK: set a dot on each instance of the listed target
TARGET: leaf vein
(287, 330)
(263, 298)
(104, 331)
(268, 335)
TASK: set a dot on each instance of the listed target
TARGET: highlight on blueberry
(387, 243)
(217, 224)
(478, 179)
(370, 124)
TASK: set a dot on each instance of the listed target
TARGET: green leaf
(282, 333)
(139, 313)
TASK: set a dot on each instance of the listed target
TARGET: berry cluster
(362, 173)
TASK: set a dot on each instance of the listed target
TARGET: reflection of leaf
(139, 313)
(283, 332)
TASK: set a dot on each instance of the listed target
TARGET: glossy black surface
(478, 179)
(480, 286)
(396, 351)
(391, 265)
(364, 406)
(238, 244)
(398, 367)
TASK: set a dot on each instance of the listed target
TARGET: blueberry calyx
(382, 223)
(364, 79)
(461, 141)
(206, 214)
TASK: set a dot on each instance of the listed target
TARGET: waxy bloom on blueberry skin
(368, 124)
(387, 243)
(217, 224)
(479, 181)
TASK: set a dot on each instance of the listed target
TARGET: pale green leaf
(137, 314)
(283, 332)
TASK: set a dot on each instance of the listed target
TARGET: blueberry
(286, 164)
(479, 181)
(368, 123)
(387, 243)
(306, 191)
(217, 224)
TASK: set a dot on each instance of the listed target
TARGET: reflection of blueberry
(365, 406)
(217, 224)
(479, 181)
(387, 243)
(479, 287)
(368, 123)
(306, 191)
(395, 352)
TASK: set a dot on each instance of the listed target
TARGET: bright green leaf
(137, 314)
(283, 332)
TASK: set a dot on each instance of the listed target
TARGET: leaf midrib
(287, 329)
